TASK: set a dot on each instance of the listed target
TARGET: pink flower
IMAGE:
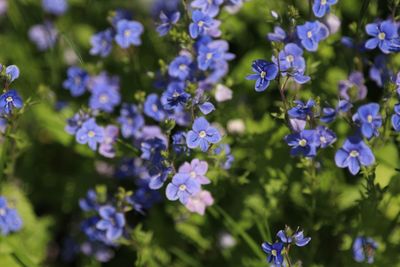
(199, 202)
(196, 170)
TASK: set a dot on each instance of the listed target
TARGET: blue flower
(328, 115)
(302, 111)
(90, 133)
(10, 221)
(158, 175)
(104, 98)
(180, 67)
(202, 135)
(304, 143)
(209, 7)
(384, 34)
(200, 23)
(77, 80)
(101, 43)
(369, 119)
(274, 252)
(128, 33)
(353, 154)
(153, 108)
(297, 238)
(12, 72)
(107, 148)
(182, 187)
(75, 123)
(179, 142)
(55, 7)
(291, 62)
(10, 100)
(167, 21)
(130, 119)
(151, 150)
(89, 203)
(364, 249)
(212, 54)
(112, 222)
(379, 71)
(321, 7)
(396, 118)
(264, 73)
(174, 96)
(279, 35)
(311, 33)
(120, 14)
(326, 136)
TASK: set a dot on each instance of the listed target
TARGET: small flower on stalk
(264, 73)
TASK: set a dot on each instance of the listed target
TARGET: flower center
(154, 107)
(202, 134)
(209, 56)
(263, 74)
(9, 99)
(200, 23)
(175, 94)
(323, 2)
(127, 33)
(91, 134)
(103, 99)
(322, 139)
(354, 153)
(193, 174)
(77, 80)
(303, 142)
(182, 187)
(182, 67)
(274, 252)
(290, 58)
(2, 212)
(309, 34)
(369, 118)
(381, 36)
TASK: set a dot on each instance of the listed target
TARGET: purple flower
(107, 146)
(167, 21)
(112, 222)
(153, 108)
(130, 120)
(384, 34)
(304, 143)
(201, 22)
(44, 36)
(196, 169)
(77, 81)
(209, 7)
(182, 187)
(297, 238)
(89, 203)
(353, 154)
(311, 33)
(101, 43)
(353, 88)
(364, 249)
(396, 118)
(90, 133)
(55, 7)
(264, 73)
(198, 203)
(369, 119)
(10, 100)
(321, 7)
(274, 252)
(180, 67)
(202, 135)
(128, 33)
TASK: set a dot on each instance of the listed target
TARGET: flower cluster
(10, 99)
(278, 252)
(10, 220)
(124, 31)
